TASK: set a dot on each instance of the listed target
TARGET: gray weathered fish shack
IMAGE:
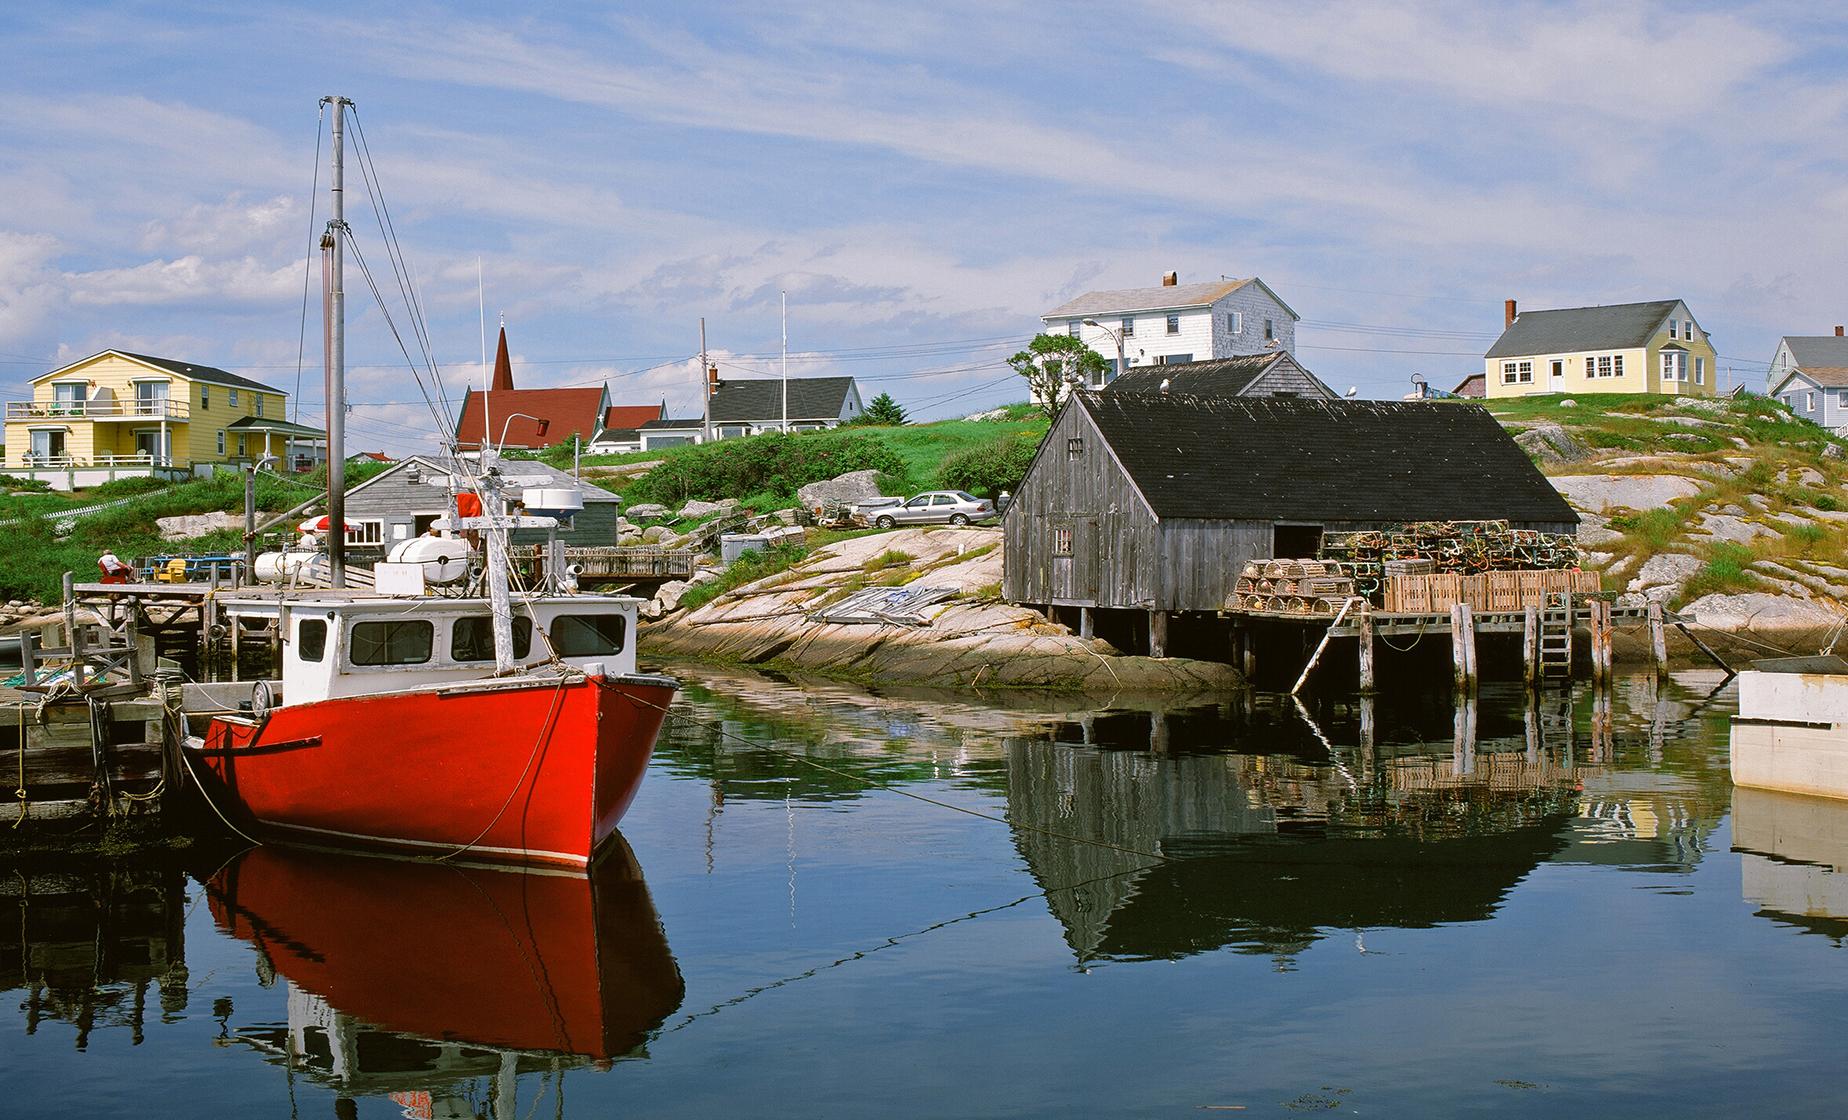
(1144, 507)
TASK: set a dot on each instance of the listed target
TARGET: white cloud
(185, 280)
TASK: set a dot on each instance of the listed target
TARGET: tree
(989, 468)
(882, 410)
(1049, 360)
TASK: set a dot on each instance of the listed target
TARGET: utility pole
(705, 385)
(336, 356)
(785, 363)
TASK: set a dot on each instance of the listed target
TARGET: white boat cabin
(334, 645)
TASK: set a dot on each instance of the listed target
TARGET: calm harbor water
(1227, 908)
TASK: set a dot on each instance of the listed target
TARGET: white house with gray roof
(1809, 373)
(1176, 322)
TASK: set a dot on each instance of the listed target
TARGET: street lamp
(543, 425)
(1122, 364)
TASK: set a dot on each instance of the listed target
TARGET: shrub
(748, 568)
(29, 485)
(123, 487)
(989, 468)
(775, 461)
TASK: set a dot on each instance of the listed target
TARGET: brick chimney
(1509, 314)
(1838, 330)
(1170, 279)
(712, 380)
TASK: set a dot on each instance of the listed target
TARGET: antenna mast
(705, 384)
(336, 354)
(785, 363)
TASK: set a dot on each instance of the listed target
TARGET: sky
(923, 181)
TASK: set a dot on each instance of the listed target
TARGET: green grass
(1725, 573)
(890, 558)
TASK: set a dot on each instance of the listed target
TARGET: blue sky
(923, 180)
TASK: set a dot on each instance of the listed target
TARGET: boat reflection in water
(1793, 858)
(1268, 852)
(440, 984)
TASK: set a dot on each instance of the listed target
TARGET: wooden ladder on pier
(1556, 637)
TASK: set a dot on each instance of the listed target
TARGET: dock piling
(1530, 646)
(1658, 637)
(1365, 624)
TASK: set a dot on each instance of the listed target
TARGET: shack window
(311, 639)
(587, 635)
(472, 639)
(399, 642)
(1062, 542)
(1074, 447)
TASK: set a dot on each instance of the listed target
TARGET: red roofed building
(529, 418)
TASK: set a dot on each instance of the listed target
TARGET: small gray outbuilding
(401, 502)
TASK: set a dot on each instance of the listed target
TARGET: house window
(1074, 447)
(1517, 373)
(1061, 542)
(1809, 401)
(259, 404)
(399, 642)
(1672, 326)
(221, 441)
(1129, 326)
(233, 398)
(1172, 359)
(1604, 365)
(367, 532)
(311, 639)
(1617, 366)
(1235, 322)
(1674, 365)
(1700, 371)
(1076, 328)
(205, 397)
(1591, 367)
(1174, 324)
(242, 447)
(1270, 330)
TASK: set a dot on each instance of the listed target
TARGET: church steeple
(503, 367)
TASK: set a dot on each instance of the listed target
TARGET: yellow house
(117, 414)
(1654, 347)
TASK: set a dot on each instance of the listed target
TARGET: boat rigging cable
(314, 191)
(890, 788)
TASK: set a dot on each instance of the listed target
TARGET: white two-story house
(1809, 373)
(1177, 322)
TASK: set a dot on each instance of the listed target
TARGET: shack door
(1074, 560)
(1296, 542)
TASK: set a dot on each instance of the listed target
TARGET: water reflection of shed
(1265, 852)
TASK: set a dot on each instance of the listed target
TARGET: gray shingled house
(1273, 374)
(743, 408)
(1142, 506)
(400, 502)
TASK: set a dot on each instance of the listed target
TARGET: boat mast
(336, 357)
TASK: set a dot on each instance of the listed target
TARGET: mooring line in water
(890, 788)
(888, 943)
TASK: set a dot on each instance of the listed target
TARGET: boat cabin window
(472, 639)
(311, 639)
(587, 635)
(399, 642)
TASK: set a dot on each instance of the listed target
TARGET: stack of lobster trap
(1420, 568)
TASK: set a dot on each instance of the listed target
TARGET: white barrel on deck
(444, 559)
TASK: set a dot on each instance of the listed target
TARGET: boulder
(1551, 443)
(1601, 493)
(1834, 451)
(668, 597)
(849, 487)
(1595, 530)
(648, 512)
(1758, 611)
(1726, 527)
(1663, 575)
(697, 509)
(196, 524)
(653, 534)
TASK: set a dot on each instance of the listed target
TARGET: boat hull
(530, 770)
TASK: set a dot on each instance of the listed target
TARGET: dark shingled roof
(755, 401)
(672, 424)
(1262, 458)
(1210, 377)
(202, 373)
(1620, 326)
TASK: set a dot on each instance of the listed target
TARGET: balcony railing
(98, 410)
(65, 462)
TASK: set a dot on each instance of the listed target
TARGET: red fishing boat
(410, 977)
(431, 712)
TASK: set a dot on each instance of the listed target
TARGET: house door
(148, 445)
(67, 398)
(1556, 380)
(47, 445)
(150, 398)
